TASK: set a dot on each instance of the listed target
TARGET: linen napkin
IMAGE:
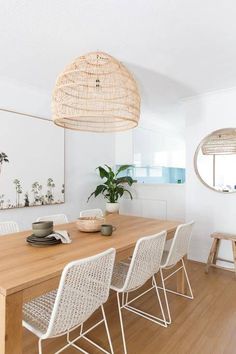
(61, 235)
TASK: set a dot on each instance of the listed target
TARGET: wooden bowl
(89, 224)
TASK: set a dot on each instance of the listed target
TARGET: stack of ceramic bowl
(41, 234)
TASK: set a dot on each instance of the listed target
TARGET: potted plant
(113, 186)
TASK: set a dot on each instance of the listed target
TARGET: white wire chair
(126, 278)
(57, 219)
(83, 288)
(178, 250)
(8, 227)
(91, 212)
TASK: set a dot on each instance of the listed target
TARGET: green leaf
(127, 179)
(109, 168)
(126, 190)
(110, 172)
(99, 190)
(120, 191)
(112, 188)
(102, 172)
(123, 168)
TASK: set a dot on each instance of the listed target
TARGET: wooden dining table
(27, 272)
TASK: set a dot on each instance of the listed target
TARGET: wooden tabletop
(22, 266)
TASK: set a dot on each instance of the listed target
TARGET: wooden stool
(213, 255)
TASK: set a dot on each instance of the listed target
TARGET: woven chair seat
(37, 312)
(119, 275)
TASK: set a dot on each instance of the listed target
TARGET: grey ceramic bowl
(42, 225)
(42, 228)
(43, 233)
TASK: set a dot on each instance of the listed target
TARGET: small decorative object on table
(107, 230)
(42, 228)
(113, 187)
(89, 223)
(43, 235)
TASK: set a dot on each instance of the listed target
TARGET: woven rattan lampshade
(96, 93)
(222, 142)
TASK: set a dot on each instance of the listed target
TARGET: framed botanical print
(32, 159)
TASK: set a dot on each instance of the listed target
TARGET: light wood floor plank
(205, 325)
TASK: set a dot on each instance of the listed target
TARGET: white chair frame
(177, 252)
(84, 336)
(52, 325)
(124, 303)
(8, 227)
(56, 218)
(91, 212)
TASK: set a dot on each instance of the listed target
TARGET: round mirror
(215, 160)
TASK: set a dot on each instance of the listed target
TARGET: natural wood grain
(10, 323)
(30, 271)
(23, 266)
(234, 254)
(181, 283)
(223, 236)
(205, 325)
(213, 255)
(217, 247)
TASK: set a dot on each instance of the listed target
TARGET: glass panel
(156, 174)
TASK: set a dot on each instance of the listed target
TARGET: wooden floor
(205, 325)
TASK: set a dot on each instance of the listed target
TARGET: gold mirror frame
(204, 140)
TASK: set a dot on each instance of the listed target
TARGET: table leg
(181, 281)
(11, 323)
(234, 255)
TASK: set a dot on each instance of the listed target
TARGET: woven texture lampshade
(222, 142)
(96, 93)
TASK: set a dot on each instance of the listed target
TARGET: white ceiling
(176, 48)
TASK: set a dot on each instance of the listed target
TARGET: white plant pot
(112, 207)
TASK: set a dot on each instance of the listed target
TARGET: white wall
(161, 201)
(211, 210)
(159, 140)
(165, 201)
(84, 152)
(124, 152)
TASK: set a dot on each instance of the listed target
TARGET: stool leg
(212, 254)
(216, 251)
(234, 255)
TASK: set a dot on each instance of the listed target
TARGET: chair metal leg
(160, 321)
(159, 299)
(188, 282)
(122, 299)
(165, 290)
(107, 329)
(121, 323)
(165, 296)
(40, 346)
(71, 342)
(187, 278)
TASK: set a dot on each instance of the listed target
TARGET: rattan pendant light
(222, 142)
(96, 93)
